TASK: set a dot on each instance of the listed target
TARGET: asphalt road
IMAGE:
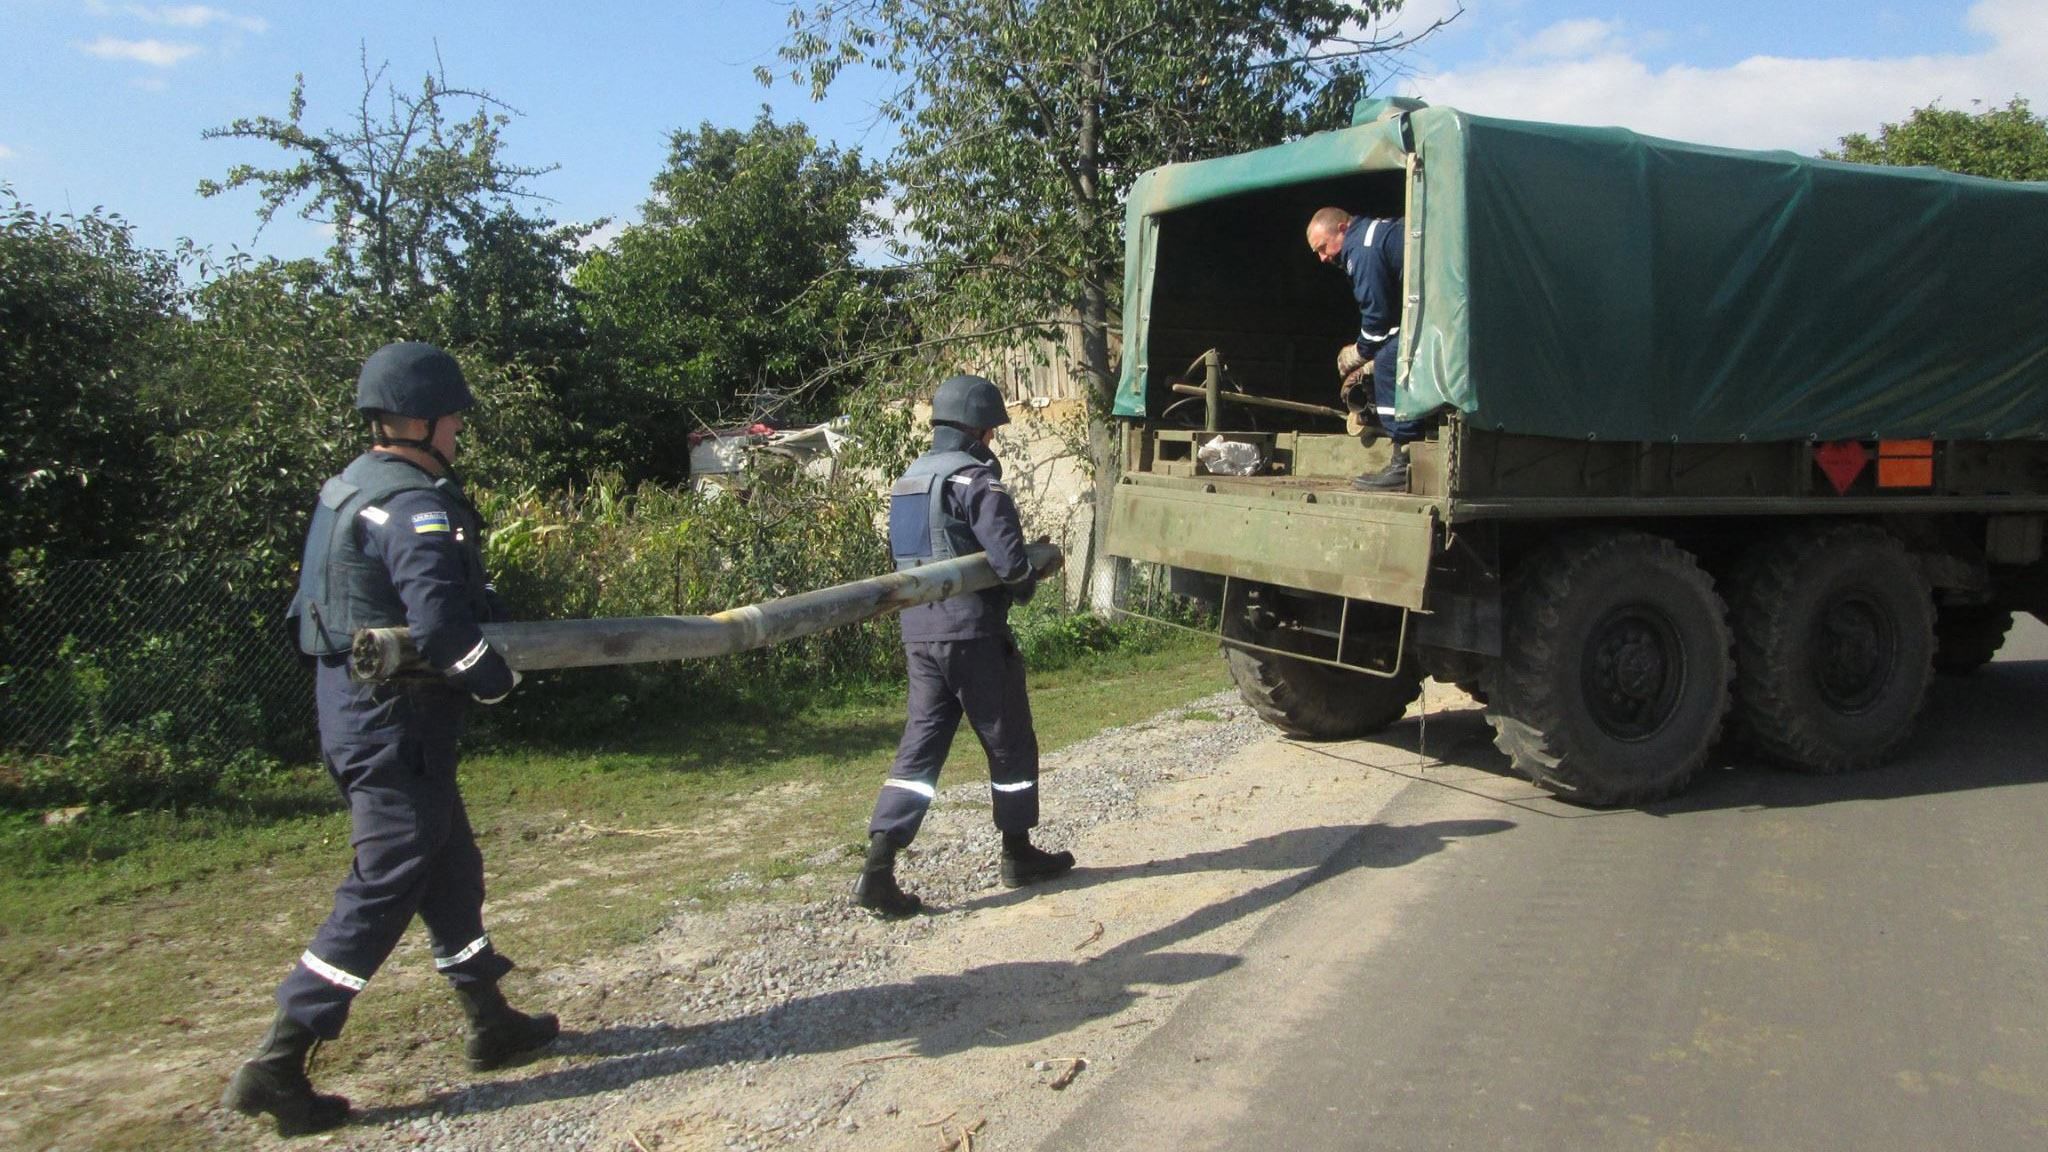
(1772, 961)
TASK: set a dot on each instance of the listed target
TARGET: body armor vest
(340, 589)
(921, 530)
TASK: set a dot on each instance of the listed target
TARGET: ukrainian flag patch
(424, 522)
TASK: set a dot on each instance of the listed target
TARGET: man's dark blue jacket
(1372, 255)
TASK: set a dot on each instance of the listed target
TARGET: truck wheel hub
(1854, 652)
(1632, 673)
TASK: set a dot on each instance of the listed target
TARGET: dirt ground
(789, 1019)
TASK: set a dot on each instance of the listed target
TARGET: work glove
(1355, 390)
(516, 678)
(1356, 395)
(1059, 561)
(1349, 358)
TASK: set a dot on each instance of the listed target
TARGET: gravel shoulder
(774, 1023)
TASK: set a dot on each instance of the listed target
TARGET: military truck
(1725, 445)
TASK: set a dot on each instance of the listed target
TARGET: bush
(653, 551)
(136, 767)
(1050, 636)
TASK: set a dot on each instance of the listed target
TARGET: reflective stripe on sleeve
(330, 973)
(376, 516)
(469, 661)
(1020, 786)
(475, 946)
(1371, 229)
(918, 786)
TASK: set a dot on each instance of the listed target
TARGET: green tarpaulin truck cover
(1592, 282)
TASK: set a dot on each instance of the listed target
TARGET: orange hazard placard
(1905, 464)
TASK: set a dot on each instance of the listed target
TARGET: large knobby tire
(1834, 630)
(1615, 673)
(1312, 701)
(1967, 636)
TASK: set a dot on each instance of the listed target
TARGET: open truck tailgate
(1369, 548)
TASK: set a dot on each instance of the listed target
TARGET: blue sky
(102, 101)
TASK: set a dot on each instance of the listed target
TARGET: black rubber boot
(1392, 478)
(274, 1081)
(500, 1034)
(1024, 863)
(876, 888)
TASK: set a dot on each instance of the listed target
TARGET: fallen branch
(635, 1137)
(847, 1096)
(940, 1120)
(1093, 936)
(882, 1059)
(965, 1140)
(1074, 1068)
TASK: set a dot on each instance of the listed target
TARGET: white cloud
(603, 237)
(1572, 38)
(1801, 103)
(156, 53)
(7, 153)
(197, 16)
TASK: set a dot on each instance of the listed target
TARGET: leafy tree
(508, 305)
(84, 318)
(431, 243)
(1024, 122)
(397, 188)
(257, 412)
(736, 290)
(2009, 143)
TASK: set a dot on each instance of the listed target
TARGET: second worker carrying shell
(961, 654)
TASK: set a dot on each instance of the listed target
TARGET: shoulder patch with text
(424, 522)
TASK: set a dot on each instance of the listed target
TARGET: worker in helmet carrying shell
(394, 542)
(961, 655)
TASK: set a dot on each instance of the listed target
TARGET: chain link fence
(191, 646)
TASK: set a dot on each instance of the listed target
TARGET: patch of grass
(167, 931)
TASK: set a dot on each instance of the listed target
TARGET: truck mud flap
(1360, 551)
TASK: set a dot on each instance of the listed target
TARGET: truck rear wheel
(1967, 636)
(1835, 635)
(1614, 677)
(1312, 701)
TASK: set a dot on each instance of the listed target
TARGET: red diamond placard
(1843, 461)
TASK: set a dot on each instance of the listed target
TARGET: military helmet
(970, 401)
(412, 379)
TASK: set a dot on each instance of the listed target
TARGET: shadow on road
(1005, 1004)
(1977, 731)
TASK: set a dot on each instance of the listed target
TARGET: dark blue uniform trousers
(414, 854)
(983, 677)
(1386, 362)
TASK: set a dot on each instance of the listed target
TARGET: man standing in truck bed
(960, 652)
(1369, 250)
